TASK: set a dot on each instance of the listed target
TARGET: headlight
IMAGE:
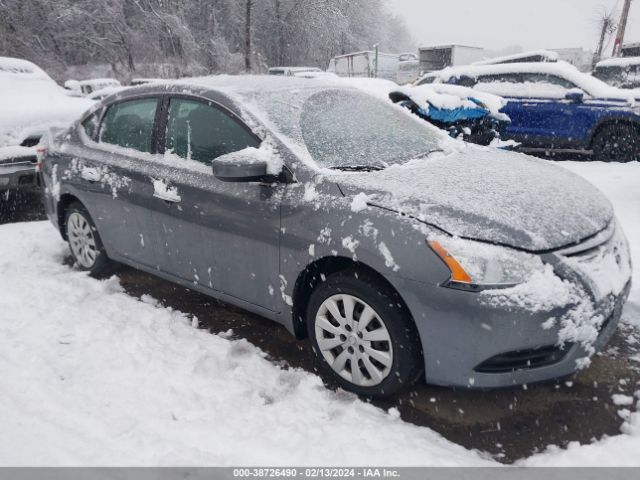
(475, 265)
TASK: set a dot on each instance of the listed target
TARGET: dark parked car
(556, 108)
(401, 252)
(18, 168)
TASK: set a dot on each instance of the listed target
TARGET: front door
(223, 236)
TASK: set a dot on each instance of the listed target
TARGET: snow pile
(92, 376)
(360, 202)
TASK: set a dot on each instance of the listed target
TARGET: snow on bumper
(546, 328)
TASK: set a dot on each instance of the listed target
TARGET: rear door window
(525, 85)
(201, 132)
(130, 124)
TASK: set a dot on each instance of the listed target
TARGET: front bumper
(460, 335)
(18, 176)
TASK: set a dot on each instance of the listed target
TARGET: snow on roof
(591, 85)
(548, 55)
(255, 83)
(619, 62)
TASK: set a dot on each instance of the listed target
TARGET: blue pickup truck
(554, 107)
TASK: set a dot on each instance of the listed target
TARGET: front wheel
(363, 335)
(84, 241)
(617, 143)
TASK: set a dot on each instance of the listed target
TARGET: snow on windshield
(343, 128)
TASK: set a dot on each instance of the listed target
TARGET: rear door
(115, 170)
(223, 236)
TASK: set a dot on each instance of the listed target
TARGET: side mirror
(575, 95)
(242, 166)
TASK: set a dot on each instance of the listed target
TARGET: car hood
(489, 195)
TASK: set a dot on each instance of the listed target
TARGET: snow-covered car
(400, 252)
(461, 111)
(619, 72)
(31, 103)
(87, 87)
(555, 107)
(17, 168)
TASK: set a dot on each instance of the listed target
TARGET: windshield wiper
(428, 154)
(359, 168)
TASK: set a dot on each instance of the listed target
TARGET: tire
(617, 143)
(84, 241)
(387, 348)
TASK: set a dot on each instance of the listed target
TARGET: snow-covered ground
(92, 376)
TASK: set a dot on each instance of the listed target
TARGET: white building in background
(442, 56)
(578, 57)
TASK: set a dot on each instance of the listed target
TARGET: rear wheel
(364, 337)
(617, 143)
(84, 241)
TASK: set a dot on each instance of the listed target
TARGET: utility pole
(617, 46)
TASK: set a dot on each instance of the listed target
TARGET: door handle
(90, 174)
(164, 192)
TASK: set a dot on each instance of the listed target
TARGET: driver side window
(198, 131)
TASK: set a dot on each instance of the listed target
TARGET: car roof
(618, 62)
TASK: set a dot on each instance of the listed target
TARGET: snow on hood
(32, 104)
(489, 195)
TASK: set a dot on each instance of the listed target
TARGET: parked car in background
(293, 71)
(619, 72)
(31, 102)
(462, 112)
(17, 169)
(554, 107)
(87, 87)
(399, 252)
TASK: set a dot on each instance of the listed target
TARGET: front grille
(524, 359)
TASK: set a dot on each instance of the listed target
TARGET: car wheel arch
(311, 276)
(611, 122)
(65, 201)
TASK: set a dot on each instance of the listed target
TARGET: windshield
(344, 128)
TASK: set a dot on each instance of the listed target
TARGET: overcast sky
(496, 24)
